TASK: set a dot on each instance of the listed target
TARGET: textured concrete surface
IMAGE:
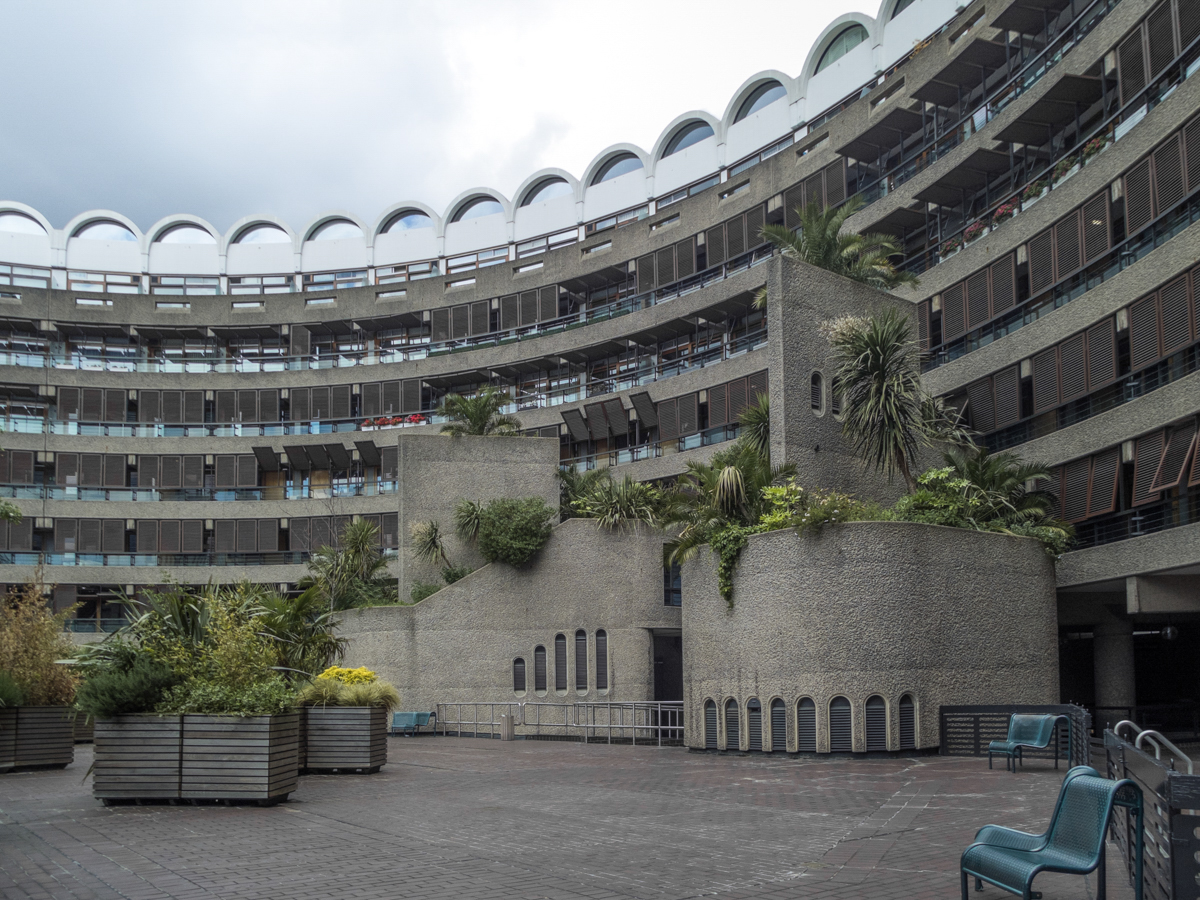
(469, 819)
(949, 615)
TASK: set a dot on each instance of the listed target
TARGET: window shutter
(193, 407)
(1102, 494)
(778, 726)
(66, 468)
(1147, 458)
(388, 462)
(460, 321)
(300, 342)
(1161, 37)
(645, 273)
(412, 395)
(793, 202)
(510, 310)
(172, 407)
(539, 668)
(114, 470)
(876, 722)
(1045, 380)
(389, 528)
(529, 308)
(301, 409)
(193, 536)
(714, 245)
(983, 410)
(226, 406)
(1168, 175)
(372, 402)
(93, 405)
(339, 401)
(735, 236)
(225, 535)
(923, 324)
(601, 660)
(755, 216)
(149, 406)
(519, 675)
(298, 535)
(193, 472)
(738, 400)
(1189, 22)
(481, 315)
(268, 406)
(319, 534)
(115, 406)
(170, 472)
(64, 535)
(1138, 202)
(1132, 66)
(978, 308)
(1191, 139)
(689, 414)
(718, 406)
(89, 536)
(247, 471)
(685, 258)
(440, 319)
(1073, 368)
(814, 190)
(247, 406)
(147, 536)
(21, 466)
(756, 386)
(581, 661)
(733, 731)
(1176, 316)
(1175, 457)
(91, 467)
(668, 420)
(840, 737)
(247, 536)
(560, 662)
(168, 537)
(1074, 489)
(1143, 333)
(268, 535)
(754, 725)
(1101, 354)
(389, 399)
(806, 726)
(1007, 386)
(68, 403)
(954, 318)
(226, 472)
(547, 303)
(1041, 262)
(1004, 280)
(319, 398)
(835, 183)
(710, 725)
(908, 723)
(1066, 246)
(1096, 231)
(112, 537)
(665, 261)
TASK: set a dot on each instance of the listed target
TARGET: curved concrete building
(195, 404)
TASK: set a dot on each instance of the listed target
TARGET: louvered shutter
(193, 472)
(737, 399)
(835, 183)
(735, 237)
(268, 406)
(93, 405)
(5, 467)
(149, 406)
(1073, 368)
(319, 398)
(1007, 387)
(21, 466)
(793, 202)
(172, 407)
(814, 190)
(247, 471)
(339, 402)
(718, 406)
(64, 535)
(389, 528)
(1174, 459)
(226, 406)
(710, 725)
(518, 675)
(539, 668)
(806, 726)
(876, 722)
(978, 308)
(1132, 66)
(1191, 141)
(247, 536)
(460, 321)
(91, 470)
(115, 406)
(112, 536)
(581, 661)
(755, 217)
(170, 470)
(89, 536)
(689, 414)
(1102, 495)
(665, 265)
(481, 315)
(388, 460)
(169, 537)
(319, 533)
(645, 273)
(1161, 37)
(1066, 246)
(685, 258)
(1147, 458)
(301, 406)
(1138, 201)
(372, 401)
(389, 399)
(840, 737)
(560, 662)
(147, 536)
(440, 322)
(247, 406)
(66, 468)
(908, 723)
(114, 470)
(510, 312)
(756, 385)
(1168, 175)
(601, 660)
(68, 403)
(225, 535)
(298, 535)
(411, 400)
(529, 308)
(548, 303)
(226, 472)
(1045, 380)
(193, 406)
(754, 725)
(1189, 22)
(923, 324)
(1096, 231)
(1176, 316)
(1101, 354)
(268, 535)
(714, 245)
(1143, 333)
(954, 314)
(193, 536)
(1041, 261)
(1074, 489)
(733, 730)
(1004, 280)
(981, 406)
(300, 342)
(778, 726)
(668, 420)
(20, 535)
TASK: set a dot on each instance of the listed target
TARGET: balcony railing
(1139, 521)
(149, 495)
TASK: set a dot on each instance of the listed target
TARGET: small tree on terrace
(479, 414)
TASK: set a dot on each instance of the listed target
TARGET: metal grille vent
(876, 720)
(733, 731)
(539, 668)
(754, 724)
(581, 661)
(560, 662)
(710, 725)
(601, 660)
(519, 675)
(840, 738)
(806, 726)
(908, 723)
(778, 726)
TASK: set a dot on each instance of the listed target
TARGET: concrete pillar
(1113, 654)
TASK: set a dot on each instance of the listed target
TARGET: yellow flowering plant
(361, 675)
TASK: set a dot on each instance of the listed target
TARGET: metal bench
(409, 722)
(1073, 843)
(1035, 732)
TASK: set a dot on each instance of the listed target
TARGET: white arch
(474, 194)
(168, 222)
(330, 216)
(541, 175)
(608, 153)
(751, 84)
(416, 206)
(25, 210)
(831, 31)
(247, 222)
(678, 122)
(103, 215)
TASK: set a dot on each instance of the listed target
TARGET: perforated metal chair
(999, 836)
(1034, 731)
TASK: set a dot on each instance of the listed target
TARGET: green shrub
(32, 642)
(258, 698)
(422, 589)
(328, 692)
(513, 531)
(122, 690)
(10, 692)
(451, 574)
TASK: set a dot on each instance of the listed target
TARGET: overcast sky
(292, 108)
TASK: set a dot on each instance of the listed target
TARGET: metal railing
(647, 723)
(174, 495)
(1140, 520)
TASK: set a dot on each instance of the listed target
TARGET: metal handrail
(1156, 739)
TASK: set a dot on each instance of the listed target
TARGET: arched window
(876, 720)
(710, 725)
(602, 660)
(407, 220)
(474, 209)
(762, 96)
(560, 662)
(902, 6)
(547, 189)
(817, 390)
(846, 40)
(185, 234)
(263, 234)
(840, 738)
(621, 164)
(581, 661)
(806, 726)
(691, 133)
(336, 230)
(105, 231)
(519, 675)
(539, 668)
(15, 222)
(778, 726)
(908, 723)
(733, 731)
(754, 723)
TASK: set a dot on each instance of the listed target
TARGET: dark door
(668, 667)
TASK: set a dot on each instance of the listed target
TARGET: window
(733, 731)
(908, 723)
(754, 724)
(762, 96)
(185, 234)
(15, 222)
(876, 723)
(817, 390)
(710, 725)
(260, 284)
(616, 166)
(519, 675)
(846, 40)
(539, 668)
(806, 726)
(100, 281)
(409, 272)
(560, 662)
(691, 133)
(840, 739)
(547, 189)
(601, 660)
(778, 726)
(621, 218)
(105, 231)
(24, 276)
(407, 220)
(581, 662)
(477, 208)
(329, 281)
(263, 234)
(672, 585)
(336, 230)
(180, 284)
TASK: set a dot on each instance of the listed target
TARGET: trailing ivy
(728, 544)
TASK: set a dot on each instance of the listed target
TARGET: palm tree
(574, 485)
(820, 241)
(996, 485)
(479, 414)
(755, 422)
(352, 574)
(615, 503)
(302, 628)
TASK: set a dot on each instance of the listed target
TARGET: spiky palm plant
(302, 628)
(755, 422)
(574, 485)
(997, 485)
(616, 503)
(479, 414)
(352, 574)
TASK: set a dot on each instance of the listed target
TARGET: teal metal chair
(1073, 844)
(409, 722)
(1034, 731)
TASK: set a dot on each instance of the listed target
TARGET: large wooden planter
(37, 736)
(190, 757)
(345, 738)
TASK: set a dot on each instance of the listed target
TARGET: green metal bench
(409, 722)
(1073, 843)
(1034, 731)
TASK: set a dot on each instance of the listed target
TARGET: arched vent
(840, 740)
(539, 668)
(710, 725)
(754, 721)
(519, 675)
(733, 731)
(806, 726)
(560, 662)
(778, 726)
(876, 723)
(817, 391)
(908, 723)
(601, 660)
(581, 660)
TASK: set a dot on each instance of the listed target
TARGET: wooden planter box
(192, 757)
(345, 738)
(37, 736)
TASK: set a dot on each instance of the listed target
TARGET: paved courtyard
(465, 818)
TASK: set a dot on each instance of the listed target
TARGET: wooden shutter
(908, 723)
(91, 470)
(714, 245)
(981, 406)
(806, 726)
(268, 535)
(112, 536)
(1072, 367)
(372, 400)
(89, 536)
(1143, 332)
(978, 307)
(601, 660)
(581, 661)
(411, 400)
(1101, 354)
(319, 398)
(225, 471)
(247, 406)
(339, 402)
(481, 315)
(1176, 316)
(1131, 66)
(1138, 201)
(1160, 35)
(68, 403)
(193, 406)
(1067, 246)
(21, 466)
(1074, 489)
(668, 419)
(169, 537)
(440, 319)
(735, 236)
(247, 471)
(192, 538)
(115, 406)
(1175, 458)
(149, 406)
(1168, 175)
(1004, 284)
(1096, 231)
(298, 535)
(548, 303)
(147, 536)
(733, 730)
(685, 258)
(460, 321)
(226, 406)
(172, 407)
(754, 726)
(92, 402)
(114, 470)
(510, 312)
(1147, 458)
(718, 405)
(193, 472)
(1007, 386)
(1041, 261)
(1045, 380)
(1102, 493)
(954, 317)
(560, 662)
(665, 265)
(876, 722)
(840, 738)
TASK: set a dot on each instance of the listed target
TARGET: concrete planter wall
(193, 757)
(345, 738)
(37, 736)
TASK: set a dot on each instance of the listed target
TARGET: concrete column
(1113, 661)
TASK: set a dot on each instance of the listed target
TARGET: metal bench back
(1037, 731)
(1078, 829)
(409, 719)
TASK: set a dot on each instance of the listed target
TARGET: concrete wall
(948, 615)
(459, 644)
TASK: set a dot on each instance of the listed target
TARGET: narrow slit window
(519, 675)
(581, 661)
(601, 660)
(539, 669)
